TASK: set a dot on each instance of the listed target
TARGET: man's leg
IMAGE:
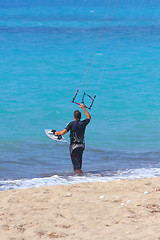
(76, 157)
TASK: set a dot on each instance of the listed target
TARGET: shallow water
(45, 50)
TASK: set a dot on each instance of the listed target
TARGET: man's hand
(82, 106)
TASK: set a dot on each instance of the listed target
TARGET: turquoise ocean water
(45, 49)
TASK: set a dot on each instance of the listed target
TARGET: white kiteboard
(51, 135)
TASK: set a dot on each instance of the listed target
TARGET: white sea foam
(63, 180)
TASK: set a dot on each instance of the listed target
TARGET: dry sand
(125, 209)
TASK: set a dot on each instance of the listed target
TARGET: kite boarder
(77, 144)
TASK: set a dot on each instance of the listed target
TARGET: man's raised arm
(86, 112)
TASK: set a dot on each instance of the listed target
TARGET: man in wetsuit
(77, 131)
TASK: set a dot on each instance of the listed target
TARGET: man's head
(77, 115)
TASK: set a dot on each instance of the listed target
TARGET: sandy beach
(125, 209)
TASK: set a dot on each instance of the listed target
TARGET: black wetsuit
(77, 131)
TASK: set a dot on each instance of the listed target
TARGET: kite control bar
(85, 94)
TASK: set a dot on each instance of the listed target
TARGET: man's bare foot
(78, 172)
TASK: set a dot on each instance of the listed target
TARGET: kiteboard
(59, 138)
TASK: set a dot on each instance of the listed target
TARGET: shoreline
(122, 209)
(58, 180)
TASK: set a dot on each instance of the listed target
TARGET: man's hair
(77, 114)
